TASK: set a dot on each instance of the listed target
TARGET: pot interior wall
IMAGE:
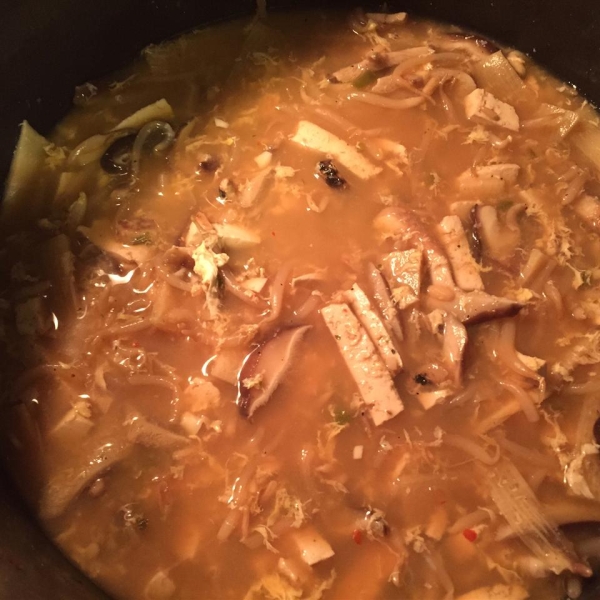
(46, 48)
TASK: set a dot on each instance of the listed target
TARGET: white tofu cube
(313, 547)
(483, 107)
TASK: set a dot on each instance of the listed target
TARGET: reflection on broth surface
(307, 307)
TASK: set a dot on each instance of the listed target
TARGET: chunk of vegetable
(64, 487)
(483, 107)
(465, 269)
(518, 505)
(265, 367)
(366, 367)
(236, 237)
(403, 272)
(313, 137)
(499, 591)
(497, 76)
(160, 110)
(313, 547)
(29, 180)
(361, 304)
(476, 307)
(499, 241)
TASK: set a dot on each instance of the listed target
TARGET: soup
(312, 313)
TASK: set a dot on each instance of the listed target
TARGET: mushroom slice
(370, 320)
(364, 363)
(499, 241)
(476, 307)
(453, 238)
(453, 349)
(376, 61)
(403, 272)
(265, 367)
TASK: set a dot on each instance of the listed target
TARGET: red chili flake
(273, 233)
(135, 344)
(470, 534)
(357, 536)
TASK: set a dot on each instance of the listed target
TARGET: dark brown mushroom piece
(329, 173)
(265, 367)
(474, 237)
(117, 158)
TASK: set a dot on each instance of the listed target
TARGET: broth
(312, 313)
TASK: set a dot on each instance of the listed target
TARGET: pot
(47, 48)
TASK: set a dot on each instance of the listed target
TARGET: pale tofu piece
(313, 137)
(371, 321)
(483, 107)
(313, 547)
(235, 237)
(403, 273)
(100, 234)
(160, 587)
(500, 591)
(75, 424)
(489, 181)
(507, 172)
(587, 209)
(200, 395)
(227, 364)
(437, 523)
(533, 362)
(430, 399)
(463, 208)
(374, 382)
(254, 284)
(465, 269)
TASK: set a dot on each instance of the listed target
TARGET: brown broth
(139, 341)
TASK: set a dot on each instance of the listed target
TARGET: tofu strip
(371, 321)
(453, 238)
(314, 137)
(374, 383)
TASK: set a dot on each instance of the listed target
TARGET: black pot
(47, 47)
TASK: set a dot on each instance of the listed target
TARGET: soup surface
(307, 307)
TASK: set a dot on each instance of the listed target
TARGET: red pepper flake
(273, 233)
(135, 344)
(357, 536)
(470, 534)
